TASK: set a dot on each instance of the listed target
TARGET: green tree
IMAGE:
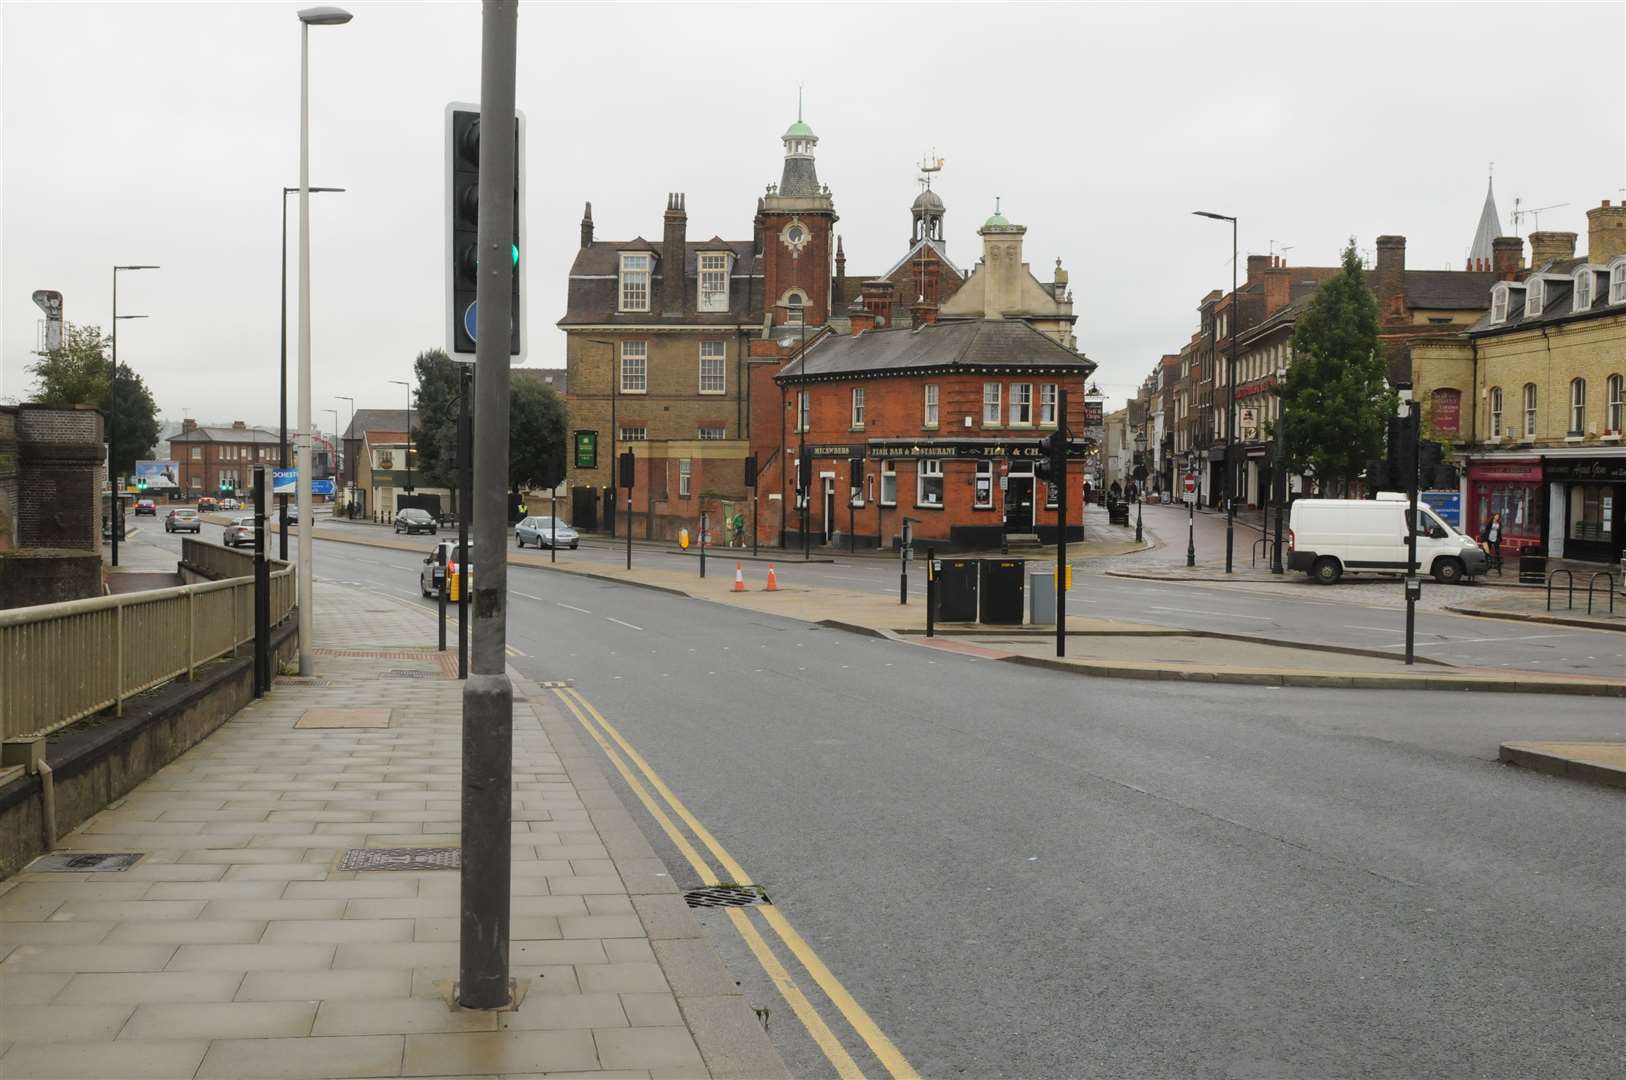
(536, 434)
(76, 374)
(536, 425)
(434, 421)
(1336, 403)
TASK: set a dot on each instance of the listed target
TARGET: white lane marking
(628, 625)
(1380, 629)
(526, 595)
(1441, 640)
(572, 607)
(1221, 614)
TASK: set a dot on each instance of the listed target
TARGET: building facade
(210, 458)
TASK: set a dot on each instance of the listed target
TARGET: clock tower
(795, 221)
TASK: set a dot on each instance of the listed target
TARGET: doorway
(829, 507)
(1019, 502)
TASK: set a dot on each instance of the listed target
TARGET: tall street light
(1279, 481)
(1140, 481)
(316, 16)
(282, 337)
(402, 382)
(1230, 378)
(347, 467)
(112, 409)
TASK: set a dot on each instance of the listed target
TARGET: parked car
(183, 520)
(206, 504)
(1328, 537)
(230, 504)
(542, 532)
(432, 578)
(239, 532)
(415, 520)
(146, 506)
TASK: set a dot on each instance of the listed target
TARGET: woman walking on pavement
(1491, 540)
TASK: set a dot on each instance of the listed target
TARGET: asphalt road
(1026, 873)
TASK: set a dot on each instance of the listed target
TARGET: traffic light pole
(1414, 585)
(465, 470)
(488, 696)
(262, 592)
(1060, 468)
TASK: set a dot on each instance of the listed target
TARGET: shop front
(1511, 487)
(1586, 506)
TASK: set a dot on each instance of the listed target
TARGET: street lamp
(316, 16)
(112, 409)
(282, 337)
(1281, 471)
(399, 382)
(1230, 378)
(346, 467)
(1140, 478)
(1191, 510)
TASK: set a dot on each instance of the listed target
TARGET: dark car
(207, 504)
(415, 520)
(146, 506)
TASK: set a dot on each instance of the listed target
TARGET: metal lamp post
(344, 456)
(1281, 474)
(316, 16)
(1191, 512)
(1140, 470)
(282, 337)
(1230, 410)
(402, 382)
(112, 409)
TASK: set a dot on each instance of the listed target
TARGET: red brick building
(210, 456)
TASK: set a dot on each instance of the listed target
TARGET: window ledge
(1613, 436)
(713, 393)
(929, 506)
(929, 427)
(1016, 426)
(1574, 438)
(991, 426)
(856, 427)
(888, 505)
(624, 393)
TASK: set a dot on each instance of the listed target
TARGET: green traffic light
(516, 254)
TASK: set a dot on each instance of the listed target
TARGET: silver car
(542, 532)
(239, 532)
(183, 520)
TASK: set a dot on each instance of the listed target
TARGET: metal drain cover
(402, 858)
(716, 896)
(79, 862)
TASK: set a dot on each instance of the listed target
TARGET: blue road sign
(1447, 504)
(322, 487)
(468, 320)
(284, 481)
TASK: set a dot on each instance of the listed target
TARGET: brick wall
(61, 470)
(8, 478)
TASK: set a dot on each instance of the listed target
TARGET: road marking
(815, 1025)
(1221, 614)
(628, 625)
(879, 1044)
(1381, 629)
(513, 651)
(1441, 639)
(526, 595)
(572, 607)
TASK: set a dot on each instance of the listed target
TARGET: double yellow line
(605, 734)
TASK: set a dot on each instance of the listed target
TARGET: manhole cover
(78, 862)
(726, 896)
(402, 673)
(401, 858)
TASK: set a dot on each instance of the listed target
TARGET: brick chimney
(673, 255)
(239, 425)
(188, 424)
(1389, 283)
(1547, 246)
(1278, 286)
(1605, 232)
(1257, 265)
(877, 298)
(587, 226)
(1507, 257)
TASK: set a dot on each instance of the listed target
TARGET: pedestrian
(739, 530)
(1490, 539)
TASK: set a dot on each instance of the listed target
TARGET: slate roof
(962, 344)
(592, 296)
(1556, 302)
(228, 435)
(367, 420)
(1449, 290)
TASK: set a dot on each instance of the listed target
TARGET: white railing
(62, 662)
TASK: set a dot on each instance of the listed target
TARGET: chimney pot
(1507, 257)
(674, 255)
(1605, 232)
(1546, 246)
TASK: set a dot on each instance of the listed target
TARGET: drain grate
(401, 858)
(716, 896)
(403, 673)
(78, 862)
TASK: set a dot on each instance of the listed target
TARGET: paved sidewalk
(236, 947)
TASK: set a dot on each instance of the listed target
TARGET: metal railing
(62, 662)
(217, 562)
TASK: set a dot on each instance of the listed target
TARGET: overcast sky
(162, 133)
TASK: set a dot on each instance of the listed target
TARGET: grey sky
(162, 132)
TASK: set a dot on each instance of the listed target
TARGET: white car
(432, 578)
(1327, 538)
(239, 532)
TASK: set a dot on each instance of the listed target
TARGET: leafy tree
(536, 434)
(434, 421)
(76, 374)
(536, 425)
(1336, 402)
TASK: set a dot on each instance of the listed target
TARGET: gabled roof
(1449, 290)
(366, 420)
(380, 437)
(227, 435)
(969, 343)
(914, 251)
(592, 297)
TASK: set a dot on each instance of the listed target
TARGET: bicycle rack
(1265, 546)
(1570, 578)
(1609, 587)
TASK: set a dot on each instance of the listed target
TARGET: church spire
(1490, 227)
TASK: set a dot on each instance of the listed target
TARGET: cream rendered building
(1002, 287)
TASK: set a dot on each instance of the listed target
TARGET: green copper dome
(798, 130)
(996, 222)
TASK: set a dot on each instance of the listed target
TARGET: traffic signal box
(462, 230)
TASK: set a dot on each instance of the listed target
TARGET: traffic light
(804, 475)
(855, 472)
(629, 463)
(751, 471)
(1053, 465)
(141, 484)
(462, 230)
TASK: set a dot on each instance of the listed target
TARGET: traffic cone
(739, 579)
(773, 581)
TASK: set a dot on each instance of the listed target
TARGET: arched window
(1617, 403)
(1529, 409)
(794, 303)
(1496, 412)
(1577, 406)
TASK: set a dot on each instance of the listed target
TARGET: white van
(1327, 537)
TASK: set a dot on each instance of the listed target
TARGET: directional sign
(284, 481)
(322, 487)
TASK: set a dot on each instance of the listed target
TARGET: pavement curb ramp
(1586, 762)
(1537, 617)
(1511, 683)
(730, 1039)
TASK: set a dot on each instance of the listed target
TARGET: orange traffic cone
(739, 579)
(773, 581)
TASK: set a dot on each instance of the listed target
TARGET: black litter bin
(956, 589)
(1532, 567)
(1118, 514)
(1003, 596)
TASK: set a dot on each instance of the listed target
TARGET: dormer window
(1532, 297)
(1583, 289)
(713, 281)
(1499, 304)
(1617, 281)
(635, 282)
